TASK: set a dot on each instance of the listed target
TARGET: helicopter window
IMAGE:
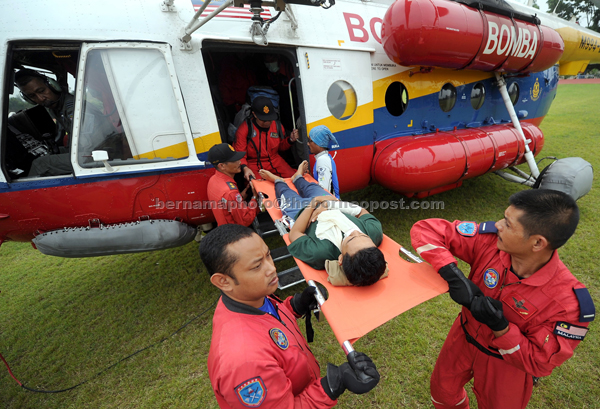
(477, 96)
(341, 100)
(447, 97)
(129, 109)
(40, 111)
(396, 98)
(513, 93)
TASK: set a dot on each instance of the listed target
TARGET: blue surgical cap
(322, 136)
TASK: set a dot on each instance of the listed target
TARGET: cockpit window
(129, 109)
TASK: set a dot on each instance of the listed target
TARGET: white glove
(344, 207)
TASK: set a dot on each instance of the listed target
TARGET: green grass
(64, 320)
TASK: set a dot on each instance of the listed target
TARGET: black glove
(305, 301)
(358, 376)
(488, 311)
(332, 383)
(363, 375)
(461, 289)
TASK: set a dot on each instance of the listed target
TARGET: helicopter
(421, 95)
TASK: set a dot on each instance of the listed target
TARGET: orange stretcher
(354, 311)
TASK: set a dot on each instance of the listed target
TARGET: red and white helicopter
(421, 95)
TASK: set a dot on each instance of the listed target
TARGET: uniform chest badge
(491, 278)
(468, 229)
(252, 392)
(279, 338)
(274, 135)
(524, 308)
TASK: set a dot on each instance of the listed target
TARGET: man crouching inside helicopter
(258, 356)
(38, 89)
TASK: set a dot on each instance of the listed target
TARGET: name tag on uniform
(274, 135)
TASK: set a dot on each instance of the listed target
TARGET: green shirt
(314, 251)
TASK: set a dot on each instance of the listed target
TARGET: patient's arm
(347, 208)
(306, 218)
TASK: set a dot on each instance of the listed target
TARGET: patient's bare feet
(266, 175)
(302, 169)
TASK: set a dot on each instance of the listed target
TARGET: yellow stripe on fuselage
(362, 116)
(180, 150)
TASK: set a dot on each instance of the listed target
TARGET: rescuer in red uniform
(523, 312)
(228, 204)
(264, 142)
(258, 356)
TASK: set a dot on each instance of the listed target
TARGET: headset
(49, 82)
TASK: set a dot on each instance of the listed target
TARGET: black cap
(263, 108)
(222, 153)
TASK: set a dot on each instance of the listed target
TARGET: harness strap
(476, 344)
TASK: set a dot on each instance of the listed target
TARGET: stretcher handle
(346, 345)
(410, 255)
(318, 295)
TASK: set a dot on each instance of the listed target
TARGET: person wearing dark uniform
(523, 311)
(38, 89)
(263, 142)
(228, 203)
(258, 356)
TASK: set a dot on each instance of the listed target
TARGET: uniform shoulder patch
(587, 310)
(251, 392)
(468, 229)
(570, 331)
(231, 185)
(488, 227)
(279, 337)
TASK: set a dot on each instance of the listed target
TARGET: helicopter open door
(338, 93)
(129, 107)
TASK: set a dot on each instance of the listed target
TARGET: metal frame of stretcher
(354, 311)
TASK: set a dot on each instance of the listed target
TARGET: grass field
(64, 320)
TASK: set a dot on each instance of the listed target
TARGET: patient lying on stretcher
(328, 231)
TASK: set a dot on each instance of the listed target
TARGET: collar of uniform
(223, 176)
(60, 104)
(260, 128)
(543, 275)
(239, 307)
(321, 154)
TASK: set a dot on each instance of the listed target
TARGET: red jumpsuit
(226, 201)
(268, 144)
(257, 360)
(535, 308)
